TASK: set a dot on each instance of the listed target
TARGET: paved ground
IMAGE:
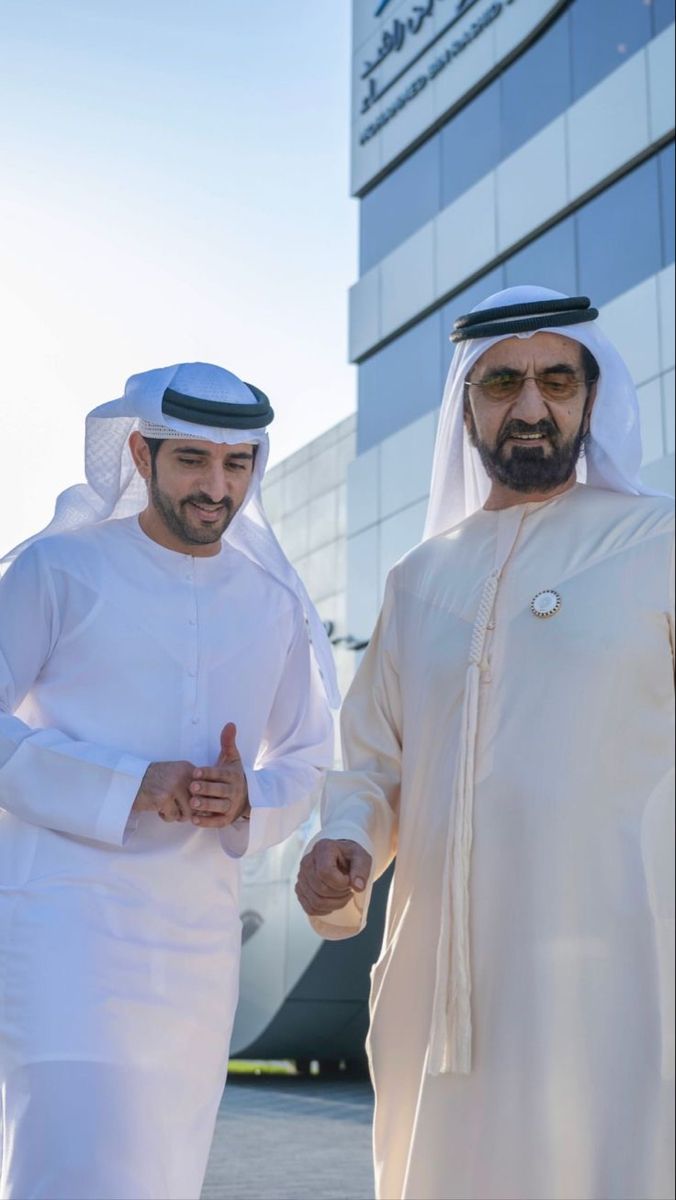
(292, 1138)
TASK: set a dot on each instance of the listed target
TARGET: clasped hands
(212, 797)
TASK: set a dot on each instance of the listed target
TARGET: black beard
(529, 469)
(176, 523)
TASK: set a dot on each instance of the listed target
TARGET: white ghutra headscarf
(612, 459)
(187, 400)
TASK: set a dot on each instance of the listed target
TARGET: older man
(134, 645)
(509, 737)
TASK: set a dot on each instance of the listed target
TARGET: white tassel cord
(451, 1035)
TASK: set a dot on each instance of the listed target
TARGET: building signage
(397, 36)
(395, 39)
(411, 47)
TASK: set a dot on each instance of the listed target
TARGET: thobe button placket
(192, 672)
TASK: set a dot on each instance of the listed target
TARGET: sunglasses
(554, 385)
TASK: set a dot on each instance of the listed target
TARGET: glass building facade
(583, 44)
(305, 499)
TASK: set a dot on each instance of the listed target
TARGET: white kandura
(120, 936)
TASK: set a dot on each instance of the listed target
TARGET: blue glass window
(405, 200)
(549, 261)
(400, 383)
(618, 235)
(537, 88)
(463, 302)
(666, 169)
(470, 144)
(581, 47)
(605, 33)
(663, 14)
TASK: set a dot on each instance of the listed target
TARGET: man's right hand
(330, 874)
(165, 790)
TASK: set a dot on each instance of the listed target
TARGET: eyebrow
(244, 455)
(558, 369)
(555, 369)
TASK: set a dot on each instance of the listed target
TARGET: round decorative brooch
(545, 604)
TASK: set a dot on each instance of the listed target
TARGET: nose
(529, 405)
(215, 483)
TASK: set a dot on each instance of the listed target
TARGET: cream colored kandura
(509, 738)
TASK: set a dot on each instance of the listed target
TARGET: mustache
(207, 502)
(542, 428)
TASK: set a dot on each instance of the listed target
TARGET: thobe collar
(526, 507)
(177, 561)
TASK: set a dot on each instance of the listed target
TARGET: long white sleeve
(297, 749)
(46, 777)
(361, 803)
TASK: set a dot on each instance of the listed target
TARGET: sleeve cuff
(345, 922)
(114, 823)
(351, 919)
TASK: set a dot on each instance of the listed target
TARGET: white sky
(174, 188)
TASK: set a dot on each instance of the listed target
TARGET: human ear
(140, 453)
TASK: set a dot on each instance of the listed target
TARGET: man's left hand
(220, 794)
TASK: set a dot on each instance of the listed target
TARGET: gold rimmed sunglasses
(552, 385)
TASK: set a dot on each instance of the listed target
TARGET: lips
(527, 438)
(208, 514)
